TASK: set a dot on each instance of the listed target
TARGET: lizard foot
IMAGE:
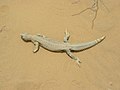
(36, 48)
(67, 36)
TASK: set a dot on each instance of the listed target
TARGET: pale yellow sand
(20, 69)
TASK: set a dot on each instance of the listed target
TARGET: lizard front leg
(36, 46)
(67, 36)
(70, 54)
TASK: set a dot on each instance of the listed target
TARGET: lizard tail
(83, 46)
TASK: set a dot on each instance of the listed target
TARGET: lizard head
(26, 37)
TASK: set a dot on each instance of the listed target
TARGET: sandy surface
(20, 69)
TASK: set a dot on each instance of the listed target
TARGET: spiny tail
(83, 46)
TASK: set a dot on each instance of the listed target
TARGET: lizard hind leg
(67, 36)
(70, 54)
(36, 48)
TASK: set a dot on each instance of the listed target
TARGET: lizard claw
(66, 33)
(35, 50)
(67, 36)
(78, 61)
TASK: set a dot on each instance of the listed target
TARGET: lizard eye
(23, 35)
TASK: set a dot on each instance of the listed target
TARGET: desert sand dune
(86, 20)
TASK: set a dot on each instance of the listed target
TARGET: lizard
(58, 46)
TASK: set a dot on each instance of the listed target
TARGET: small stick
(94, 8)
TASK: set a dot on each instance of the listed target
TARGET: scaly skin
(57, 46)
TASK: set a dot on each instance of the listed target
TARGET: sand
(21, 69)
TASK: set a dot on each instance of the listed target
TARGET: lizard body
(57, 46)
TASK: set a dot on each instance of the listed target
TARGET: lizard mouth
(23, 38)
